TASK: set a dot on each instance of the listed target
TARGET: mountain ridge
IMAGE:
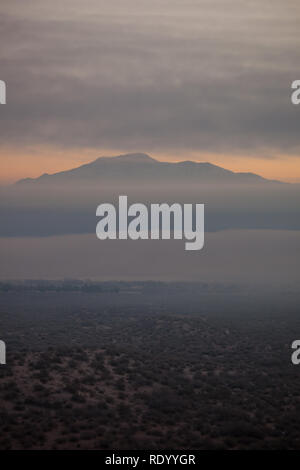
(131, 166)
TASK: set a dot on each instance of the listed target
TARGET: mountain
(65, 202)
(139, 167)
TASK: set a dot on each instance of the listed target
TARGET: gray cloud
(194, 75)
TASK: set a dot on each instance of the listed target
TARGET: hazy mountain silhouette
(66, 202)
(138, 167)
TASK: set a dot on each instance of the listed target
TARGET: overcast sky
(168, 77)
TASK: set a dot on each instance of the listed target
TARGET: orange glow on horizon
(16, 165)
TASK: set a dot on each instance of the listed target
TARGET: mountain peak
(128, 158)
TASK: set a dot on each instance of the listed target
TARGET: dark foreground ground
(148, 366)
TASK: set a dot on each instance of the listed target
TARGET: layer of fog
(56, 210)
(263, 257)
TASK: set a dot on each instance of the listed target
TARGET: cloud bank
(168, 75)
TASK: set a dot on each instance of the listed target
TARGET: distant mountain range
(139, 167)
